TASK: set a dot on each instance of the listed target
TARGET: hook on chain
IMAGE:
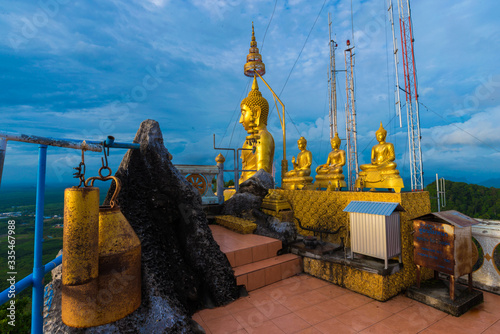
(104, 161)
(80, 170)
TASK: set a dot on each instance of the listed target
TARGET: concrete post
(220, 177)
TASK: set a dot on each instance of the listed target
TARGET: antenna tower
(410, 78)
(332, 82)
(440, 192)
(396, 64)
(350, 114)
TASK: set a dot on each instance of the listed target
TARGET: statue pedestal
(378, 179)
(297, 182)
(330, 181)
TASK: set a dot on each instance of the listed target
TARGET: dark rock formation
(246, 204)
(183, 269)
(259, 184)
(249, 196)
(272, 227)
(242, 205)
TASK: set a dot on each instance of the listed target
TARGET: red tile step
(258, 274)
(253, 258)
(242, 249)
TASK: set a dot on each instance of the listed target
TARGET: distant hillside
(471, 199)
(491, 183)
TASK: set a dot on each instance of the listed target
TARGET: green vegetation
(22, 313)
(227, 184)
(21, 202)
(470, 199)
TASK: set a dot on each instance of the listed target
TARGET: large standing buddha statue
(258, 150)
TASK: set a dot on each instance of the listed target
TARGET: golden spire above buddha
(381, 172)
(254, 59)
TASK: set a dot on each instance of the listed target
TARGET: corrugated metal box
(375, 229)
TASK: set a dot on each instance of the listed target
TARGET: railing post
(3, 149)
(220, 177)
(38, 267)
(236, 175)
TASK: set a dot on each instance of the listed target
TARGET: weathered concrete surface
(436, 293)
(183, 269)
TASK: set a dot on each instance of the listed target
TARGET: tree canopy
(470, 199)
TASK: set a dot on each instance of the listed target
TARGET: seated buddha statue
(258, 148)
(299, 177)
(381, 172)
(330, 174)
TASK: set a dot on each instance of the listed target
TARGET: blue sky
(88, 69)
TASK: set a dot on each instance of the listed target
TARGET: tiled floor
(304, 304)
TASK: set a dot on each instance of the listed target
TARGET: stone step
(241, 249)
(240, 225)
(253, 258)
(258, 274)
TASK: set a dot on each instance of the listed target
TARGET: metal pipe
(317, 230)
(28, 280)
(3, 151)
(88, 145)
(38, 272)
(438, 193)
(109, 141)
(69, 143)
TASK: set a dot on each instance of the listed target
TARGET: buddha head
(302, 143)
(381, 133)
(335, 142)
(254, 109)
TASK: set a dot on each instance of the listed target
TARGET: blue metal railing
(35, 279)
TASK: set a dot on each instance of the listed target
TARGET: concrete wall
(323, 209)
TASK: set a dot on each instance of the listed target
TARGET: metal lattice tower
(410, 79)
(332, 82)
(396, 63)
(350, 114)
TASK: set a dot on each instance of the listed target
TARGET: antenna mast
(396, 64)
(332, 81)
(410, 76)
(350, 113)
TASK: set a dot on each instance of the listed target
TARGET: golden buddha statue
(299, 177)
(259, 144)
(331, 173)
(381, 172)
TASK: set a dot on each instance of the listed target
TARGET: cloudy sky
(88, 69)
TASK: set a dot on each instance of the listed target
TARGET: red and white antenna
(350, 114)
(411, 93)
